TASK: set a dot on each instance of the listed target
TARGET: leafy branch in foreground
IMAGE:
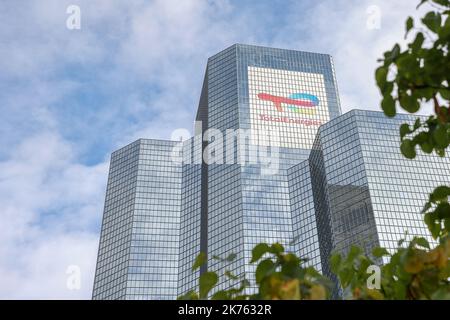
(413, 273)
(279, 276)
(282, 276)
(417, 75)
(208, 281)
(411, 78)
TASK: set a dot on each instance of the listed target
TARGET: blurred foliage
(279, 276)
(413, 273)
(418, 75)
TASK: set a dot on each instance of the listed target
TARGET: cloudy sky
(68, 98)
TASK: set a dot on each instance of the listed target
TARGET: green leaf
(429, 221)
(381, 78)
(428, 218)
(444, 33)
(433, 227)
(310, 271)
(440, 136)
(258, 251)
(245, 283)
(390, 56)
(290, 265)
(426, 147)
(447, 225)
(380, 252)
(276, 248)
(404, 130)
(440, 193)
(445, 93)
(345, 276)
(364, 263)
(221, 295)
(422, 242)
(409, 103)
(444, 3)
(199, 261)
(442, 210)
(418, 42)
(408, 149)
(291, 258)
(409, 25)
(353, 253)
(417, 124)
(335, 262)
(440, 152)
(388, 106)
(207, 281)
(441, 294)
(426, 207)
(422, 137)
(263, 269)
(400, 290)
(191, 295)
(424, 93)
(433, 21)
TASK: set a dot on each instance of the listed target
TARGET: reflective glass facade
(370, 194)
(190, 219)
(111, 274)
(139, 244)
(304, 226)
(253, 88)
(339, 179)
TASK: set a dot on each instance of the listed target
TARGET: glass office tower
(286, 167)
(369, 194)
(139, 244)
(262, 91)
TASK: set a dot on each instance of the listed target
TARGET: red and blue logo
(297, 102)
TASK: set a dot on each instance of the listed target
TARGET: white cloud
(39, 271)
(50, 211)
(168, 45)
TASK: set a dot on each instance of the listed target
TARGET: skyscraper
(372, 193)
(139, 243)
(271, 160)
(260, 90)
